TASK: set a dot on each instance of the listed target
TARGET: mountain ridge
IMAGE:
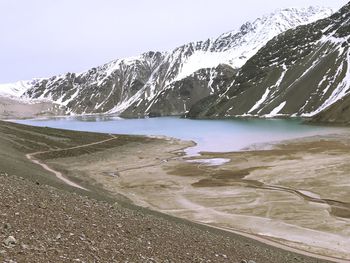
(301, 72)
(135, 86)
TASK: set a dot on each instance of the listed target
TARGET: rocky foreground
(43, 224)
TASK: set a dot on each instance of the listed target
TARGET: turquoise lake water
(210, 135)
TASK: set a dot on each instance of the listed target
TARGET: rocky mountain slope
(301, 72)
(337, 113)
(167, 83)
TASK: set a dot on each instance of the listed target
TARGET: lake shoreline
(160, 160)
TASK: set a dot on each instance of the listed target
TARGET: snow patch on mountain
(17, 89)
(261, 101)
(201, 59)
(275, 111)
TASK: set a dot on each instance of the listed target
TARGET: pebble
(24, 246)
(7, 226)
(42, 205)
(10, 241)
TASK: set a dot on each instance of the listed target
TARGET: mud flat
(295, 193)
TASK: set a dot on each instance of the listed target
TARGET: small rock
(42, 206)
(2, 252)
(24, 246)
(92, 248)
(58, 237)
(10, 241)
(7, 226)
(251, 261)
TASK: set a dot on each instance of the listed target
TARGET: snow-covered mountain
(236, 47)
(301, 72)
(17, 89)
(167, 83)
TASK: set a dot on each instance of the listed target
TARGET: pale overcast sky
(40, 38)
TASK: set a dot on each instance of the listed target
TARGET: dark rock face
(338, 113)
(299, 73)
(169, 83)
(180, 96)
(99, 89)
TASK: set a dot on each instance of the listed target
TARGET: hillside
(299, 73)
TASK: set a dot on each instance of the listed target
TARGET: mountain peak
(236, 47)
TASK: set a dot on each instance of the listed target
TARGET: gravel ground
(40, 223)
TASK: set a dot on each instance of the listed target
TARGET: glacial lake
(209, 135)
